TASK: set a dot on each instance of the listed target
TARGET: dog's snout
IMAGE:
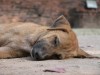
(39, 51)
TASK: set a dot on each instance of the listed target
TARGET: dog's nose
(37, 56)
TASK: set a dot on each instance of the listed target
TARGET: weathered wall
(45, 11)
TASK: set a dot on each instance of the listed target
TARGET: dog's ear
(61, 23)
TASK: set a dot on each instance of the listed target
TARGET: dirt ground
(89, 40)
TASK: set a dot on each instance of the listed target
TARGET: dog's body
(42, 42)
(16, 40)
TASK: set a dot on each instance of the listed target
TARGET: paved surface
(89, 40)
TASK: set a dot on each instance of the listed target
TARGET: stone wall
(45, 11)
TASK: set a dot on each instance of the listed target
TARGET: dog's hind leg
(7, 52)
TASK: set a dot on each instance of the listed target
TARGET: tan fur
(17, 40)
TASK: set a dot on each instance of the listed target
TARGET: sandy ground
(89, 40)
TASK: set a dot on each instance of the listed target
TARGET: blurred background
(80, 13)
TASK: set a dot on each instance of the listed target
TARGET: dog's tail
(83, 54)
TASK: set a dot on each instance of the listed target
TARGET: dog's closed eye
(55, 42)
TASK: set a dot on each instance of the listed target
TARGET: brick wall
(45, 11)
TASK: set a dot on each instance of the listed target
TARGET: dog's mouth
(38, 57)
(54, 56)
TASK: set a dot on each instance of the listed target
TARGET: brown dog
(41, 42)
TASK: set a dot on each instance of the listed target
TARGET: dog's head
(59, 42)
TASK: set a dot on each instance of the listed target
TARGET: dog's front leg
(7, 52)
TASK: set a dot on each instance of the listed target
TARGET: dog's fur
(41, 42)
